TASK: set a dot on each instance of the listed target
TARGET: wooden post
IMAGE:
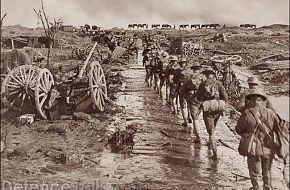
(87, 61)
(12, 43)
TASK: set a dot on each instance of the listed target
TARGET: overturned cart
(32, 89)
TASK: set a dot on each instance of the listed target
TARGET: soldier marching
(193, 89)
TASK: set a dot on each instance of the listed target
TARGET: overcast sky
(110, 13)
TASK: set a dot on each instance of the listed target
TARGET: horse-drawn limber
(30, 88)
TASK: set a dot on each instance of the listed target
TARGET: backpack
(211, 90)
(283, 136)
(195, 81)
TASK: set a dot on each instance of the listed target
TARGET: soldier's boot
(173, 106)
(151, 82)
(213, 147)
(195, 131)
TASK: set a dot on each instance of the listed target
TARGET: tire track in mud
(160, 162)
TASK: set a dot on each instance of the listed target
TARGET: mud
(76, 152)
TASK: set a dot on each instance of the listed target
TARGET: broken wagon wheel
(98, 86)
(226, 58)
(18, 86)
(186, 49)
(44, 82)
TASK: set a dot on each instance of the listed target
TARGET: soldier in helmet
(243, 103)
(156, 64)
(188, 95)
(262, 123)
(152, 68)
(146, 61)
(162, 63)
(177, 81)
(213, 97)
(169, 74)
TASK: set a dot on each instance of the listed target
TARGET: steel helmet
(256, 92)
(253, 80)
(196, 66)
(173, 58)
(208, 71)
(183, 59)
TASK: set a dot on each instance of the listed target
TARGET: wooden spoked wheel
(187, 49)
(98, 86)
(44, 83)
(18, 86)
(226, 58)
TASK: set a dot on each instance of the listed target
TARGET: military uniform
(160, 68)
(188, 93)
(211, 117)
(264, 153)
(146, 62)
(169, 74)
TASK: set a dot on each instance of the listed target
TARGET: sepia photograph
(144, 94)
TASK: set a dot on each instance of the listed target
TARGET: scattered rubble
(122, 140)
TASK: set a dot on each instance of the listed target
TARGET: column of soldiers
(195, 89)
(186, 87)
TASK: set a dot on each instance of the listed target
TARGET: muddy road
(162, 156)
(168, 160)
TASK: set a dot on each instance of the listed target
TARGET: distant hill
(18, 30)
(276, 26)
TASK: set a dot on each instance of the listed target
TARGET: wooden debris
(165, 133)
(47, 170)
(238, 175)
(144, 151)
(140, 147)
(272, 65)
(226, 53)
(226, 145)
(167, 144)
(96, 162)
(276, 57)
